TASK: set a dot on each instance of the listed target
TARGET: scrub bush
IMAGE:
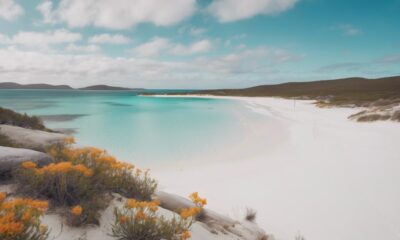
(84, 177)
(139, 220)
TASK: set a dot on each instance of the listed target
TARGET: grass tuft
(251, 215)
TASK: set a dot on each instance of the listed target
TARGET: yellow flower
(77, 210)
(29, 165)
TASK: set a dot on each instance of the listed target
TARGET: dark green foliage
(10, 117)
(354, 91)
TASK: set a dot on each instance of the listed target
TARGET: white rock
(32, 139)
(11, 158)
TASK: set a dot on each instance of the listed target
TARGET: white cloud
(242, 68)
(10, 10)
(152, 48)
(41, 39)
(257, 60)
(82, 48)
(118, 14)
(349, 30)
(163, 45)
(45, 8)
(232, 10)
(108, 38)
(197, 47)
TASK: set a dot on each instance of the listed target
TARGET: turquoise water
(139, 129)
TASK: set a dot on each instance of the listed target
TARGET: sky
(192, 44)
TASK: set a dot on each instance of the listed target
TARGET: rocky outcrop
(221, 226)
(31, 139)
(11, 158)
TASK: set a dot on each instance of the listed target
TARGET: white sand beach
(307, 171)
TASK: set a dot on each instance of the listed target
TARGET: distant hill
(11, 85)
(339, 90)
(104, 87)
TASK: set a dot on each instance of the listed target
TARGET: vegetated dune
(380, 96)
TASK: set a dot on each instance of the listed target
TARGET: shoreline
(318, 172)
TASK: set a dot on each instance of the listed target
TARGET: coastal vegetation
(80, 184)
(83, 177)
(20, 218)
(141, 220)
(10, 117)
(357, 91)
(381, 97)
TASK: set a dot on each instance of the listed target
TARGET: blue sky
(197, 44)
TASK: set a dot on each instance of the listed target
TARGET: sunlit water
(138, 129)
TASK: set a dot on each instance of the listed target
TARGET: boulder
(220, 225)
(31, 139)
(11, 158)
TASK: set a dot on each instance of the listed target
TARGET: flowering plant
(85, 177)
(140, 220)
(20, 219)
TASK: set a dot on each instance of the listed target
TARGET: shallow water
(144, 130)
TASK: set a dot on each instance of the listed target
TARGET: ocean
(138, 129)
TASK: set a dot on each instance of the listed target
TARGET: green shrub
(139, 220)
(10, 117)
(84, 177)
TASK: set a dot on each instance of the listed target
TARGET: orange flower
(77, 210)
(8, 217)
(84, 170)
(131, 203)
(198, 200)
(29, 165)
(190, 212)
(69, 140)
(186, 235)
(11, 228)
(123, 219)
(27, 216)
(141, 215)
(3, 196)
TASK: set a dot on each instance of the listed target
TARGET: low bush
(20, 219)
(139, 220)
(84, 177)
(10, 117)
